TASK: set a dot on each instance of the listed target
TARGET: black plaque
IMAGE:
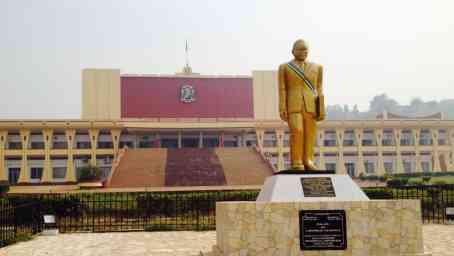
(323, 230)
(318, 187)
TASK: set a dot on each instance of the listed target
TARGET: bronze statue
(301, 104)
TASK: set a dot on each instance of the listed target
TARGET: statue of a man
(301, 104)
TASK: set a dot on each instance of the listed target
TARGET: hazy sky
(402, 48)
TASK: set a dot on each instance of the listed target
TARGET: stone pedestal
(317, 214)
(374, 228)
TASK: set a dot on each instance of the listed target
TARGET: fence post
(197, 211)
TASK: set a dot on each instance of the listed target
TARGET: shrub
(383, 178)
(362, 176)
(426, 179)
(439, 182)
(378, 193)
(415, 182)
(89, 173)
(4, 187)
(395, 182)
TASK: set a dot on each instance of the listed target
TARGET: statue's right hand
(284, 115)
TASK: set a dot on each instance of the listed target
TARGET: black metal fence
(158, 211)
(18, 220)
(434, 199)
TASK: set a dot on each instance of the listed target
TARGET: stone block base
(374, 228)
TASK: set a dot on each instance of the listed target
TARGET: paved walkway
(438, 239)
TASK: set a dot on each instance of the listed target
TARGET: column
(399, 163)
(321, 149)
(157, 140)
(451, 142)
(359, 133)
(380, 164)
(260, 133)
(47, 170)
(243, 138)
(201, 140)
(93, 133)
(3, 141)
(416, 137)
(70, 170)
(435, 153)
(340, 165)
(116, 134)
(179, 140)
(24, 176)
(221, 140)
(280, 149)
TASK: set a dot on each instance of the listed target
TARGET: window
(37, 145)
(58, 172)
(210, 142)
(425, 166)
(369, 166)
(350, 167)
(13, 175)
(368, 142)
(83, 145)
(387, 142)
(407, 166)
(128, 144)
(36, 173)
(330, 143)
(251, 143)
(405, 142)
(330, 166)
(349, 142)
(389, 166)
(105, 144)
(60, 145)
(230, 143)
(15, 145)
(269, 143)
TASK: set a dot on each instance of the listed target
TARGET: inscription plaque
(318, 187)
(323, 230)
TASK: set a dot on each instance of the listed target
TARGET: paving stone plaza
(438, 239)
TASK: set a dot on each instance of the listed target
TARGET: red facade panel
(153, 97)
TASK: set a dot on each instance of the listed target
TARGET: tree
(89, 173)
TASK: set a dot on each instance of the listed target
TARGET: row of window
(173, 143)
(58, 173)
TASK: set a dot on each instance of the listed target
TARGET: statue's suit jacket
(294, 95)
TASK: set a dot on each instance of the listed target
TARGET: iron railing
(158, 211)
(18, 220)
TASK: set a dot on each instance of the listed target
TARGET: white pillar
(416, 137)
(380, 164)
(435, 152)
(24, 176)
(3, 141)
(399, 163)
(47, 170)
(359, 133)
(71, 175)
(260, 134)
(280, 148)
(340, 165)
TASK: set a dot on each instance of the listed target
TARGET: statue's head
(300, 50)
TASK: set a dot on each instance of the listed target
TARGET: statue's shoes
(309, 165)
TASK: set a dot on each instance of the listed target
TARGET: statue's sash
(299, 72)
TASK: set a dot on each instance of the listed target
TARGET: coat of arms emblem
(187, 94)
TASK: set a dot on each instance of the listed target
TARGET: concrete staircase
(140, 168)
(214, 167)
